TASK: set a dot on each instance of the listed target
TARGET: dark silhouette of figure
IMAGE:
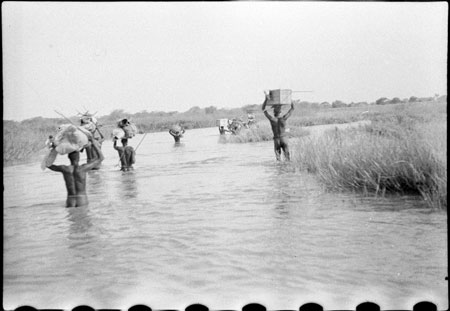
(75, 176)
(278, 125)
(177, 135)
(127, 155)
(235, 126)
(91, 153)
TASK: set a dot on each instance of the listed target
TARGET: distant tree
(413, 99)
(210, 110)
(194, 110)
(325, 105)
(338, 104)
(395, 100)
(381, 101)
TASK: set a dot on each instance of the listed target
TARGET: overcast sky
(166, 56)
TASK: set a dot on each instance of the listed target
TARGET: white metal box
(280, 97)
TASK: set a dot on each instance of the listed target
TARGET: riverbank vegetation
(403, 150)
(261, 132)
(22, 141)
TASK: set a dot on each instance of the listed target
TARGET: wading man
(126, 153)
(75, 176)
(177, 135)
(278, 125)
(91, 153)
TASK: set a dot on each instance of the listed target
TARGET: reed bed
(262, 132)
(23, 142)
(400, 154)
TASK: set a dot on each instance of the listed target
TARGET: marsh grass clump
(262, 132)
(383, 157)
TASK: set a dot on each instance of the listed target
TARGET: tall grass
(400, 154)
(23, 142)
(262, 132)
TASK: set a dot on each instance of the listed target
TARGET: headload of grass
(385, 156)
(262, 132)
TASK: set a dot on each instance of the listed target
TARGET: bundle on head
(176, 128)
(70, 138)
(127, 127)
(123, 122)
(88, 122)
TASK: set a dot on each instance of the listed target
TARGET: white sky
(171, 56)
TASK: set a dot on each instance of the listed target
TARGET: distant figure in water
(75, 176)
(127, 155)
(235, 126)
(91, 153)
(223, 130)
(177, 133)
(278, 125)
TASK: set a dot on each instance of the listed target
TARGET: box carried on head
(280, 97)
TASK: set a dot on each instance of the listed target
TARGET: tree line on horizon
(22, 139)
(197, 117)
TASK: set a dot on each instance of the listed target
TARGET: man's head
(124, 141)
(74, 157)
(276, 110)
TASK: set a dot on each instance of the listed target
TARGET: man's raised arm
(288, 114)
(264, 109)
(115, 145)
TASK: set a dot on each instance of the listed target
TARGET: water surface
(214, 223)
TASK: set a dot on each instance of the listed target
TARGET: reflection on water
(178, 144)
(224, 222)
(79, 221)
(129, 187)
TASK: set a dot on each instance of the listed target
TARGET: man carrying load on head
(75, 175)
(126, 153)
(177, 132)
(88, 122)
(92, 154)
(278, 125)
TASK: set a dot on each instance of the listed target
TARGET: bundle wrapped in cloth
(88, 122)
(176, 128)
(70, 138)
(125, 129)
(118, 133)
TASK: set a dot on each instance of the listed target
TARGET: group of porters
(71, 139)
